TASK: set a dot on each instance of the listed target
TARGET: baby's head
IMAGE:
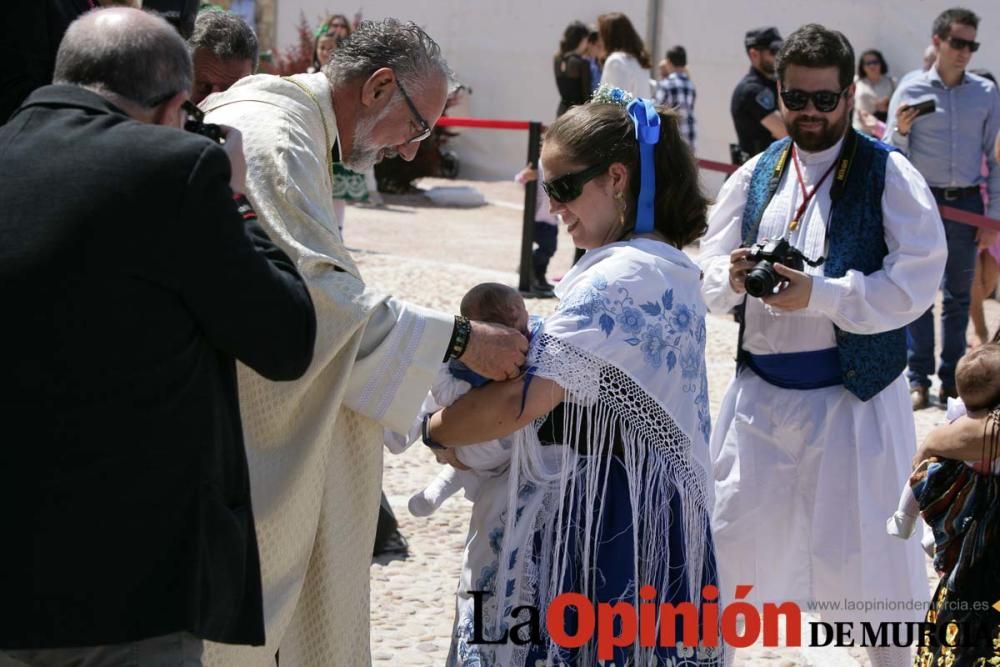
(496, 303)
(977, 378)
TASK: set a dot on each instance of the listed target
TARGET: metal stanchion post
(530, 202)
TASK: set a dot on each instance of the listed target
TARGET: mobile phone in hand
(925, 107)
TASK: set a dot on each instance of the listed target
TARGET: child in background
(977, 379)
(487, 302)
(546, 233)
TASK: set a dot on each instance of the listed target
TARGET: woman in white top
(626, 63)
(873, 88)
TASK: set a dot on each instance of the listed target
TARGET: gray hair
(403, 47)
(140, 58)
(226, 35)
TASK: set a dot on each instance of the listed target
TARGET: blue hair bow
(647, 133)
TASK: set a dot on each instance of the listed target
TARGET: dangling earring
(620, 198)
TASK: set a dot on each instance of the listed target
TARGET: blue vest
(856, 240)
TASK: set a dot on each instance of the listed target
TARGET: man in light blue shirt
(947, 146)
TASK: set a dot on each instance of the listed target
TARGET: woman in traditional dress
(607, 493)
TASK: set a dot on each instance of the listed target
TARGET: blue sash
(798, 370)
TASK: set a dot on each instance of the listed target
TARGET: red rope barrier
(948, 212)
(967, 218)
(492, 124)
(454, 121)
(717, 166)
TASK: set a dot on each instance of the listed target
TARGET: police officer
(755, 101)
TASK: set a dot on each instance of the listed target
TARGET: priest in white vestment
(815, 433)
(315, 445)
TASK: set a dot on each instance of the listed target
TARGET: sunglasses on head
(961, 44)
(824, 100)
(568, 187)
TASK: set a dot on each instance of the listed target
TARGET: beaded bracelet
(459, 338)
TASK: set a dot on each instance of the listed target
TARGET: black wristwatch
(426, 436)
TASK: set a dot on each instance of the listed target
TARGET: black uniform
(755, 98)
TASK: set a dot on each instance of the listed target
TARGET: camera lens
(761, 279)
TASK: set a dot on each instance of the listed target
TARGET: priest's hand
(794, 292)
(495, 351)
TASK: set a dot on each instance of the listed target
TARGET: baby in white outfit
(486, 302)
(977, 379)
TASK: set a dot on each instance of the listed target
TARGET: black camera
(213, 132)
(762, 278)
(196, 123)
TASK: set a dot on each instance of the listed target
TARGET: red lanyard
(806, 195)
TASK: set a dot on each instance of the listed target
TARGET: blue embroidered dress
(609, 493)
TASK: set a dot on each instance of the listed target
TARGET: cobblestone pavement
(431, 256)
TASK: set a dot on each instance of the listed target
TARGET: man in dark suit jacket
(130, 283)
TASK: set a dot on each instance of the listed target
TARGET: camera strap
(807, 195)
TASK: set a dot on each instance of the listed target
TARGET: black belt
(951, 194)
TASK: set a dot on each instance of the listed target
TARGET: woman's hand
(962, 439)
(450, 457)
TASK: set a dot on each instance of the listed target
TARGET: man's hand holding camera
(790, 291)
(793, 293)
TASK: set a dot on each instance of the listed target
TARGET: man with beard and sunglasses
(754, 105)
(315, 445)
(948, 146)
(816, 427)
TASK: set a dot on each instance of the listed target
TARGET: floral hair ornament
(610, 95)
(647, 134)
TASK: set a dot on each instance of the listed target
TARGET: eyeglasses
(961, 44)
(872, 62)
(568, 187)
(825, 101)
(425, 128)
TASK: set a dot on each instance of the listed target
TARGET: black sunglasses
(425, 128)
(568, 187)
(825, 101)
(960, 44)
(873, 62)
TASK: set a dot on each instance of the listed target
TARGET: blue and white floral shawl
(627, 343)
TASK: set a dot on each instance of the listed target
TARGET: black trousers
(546, 237)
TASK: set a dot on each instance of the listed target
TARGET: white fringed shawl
(628, 345)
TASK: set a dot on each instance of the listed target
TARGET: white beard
(364, 153)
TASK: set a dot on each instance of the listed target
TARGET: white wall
(503, 50)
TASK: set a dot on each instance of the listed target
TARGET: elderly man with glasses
(946, 122)
(315, 445)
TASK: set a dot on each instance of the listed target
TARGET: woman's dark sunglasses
(568, 187)
(825, 101)
(960, 44)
